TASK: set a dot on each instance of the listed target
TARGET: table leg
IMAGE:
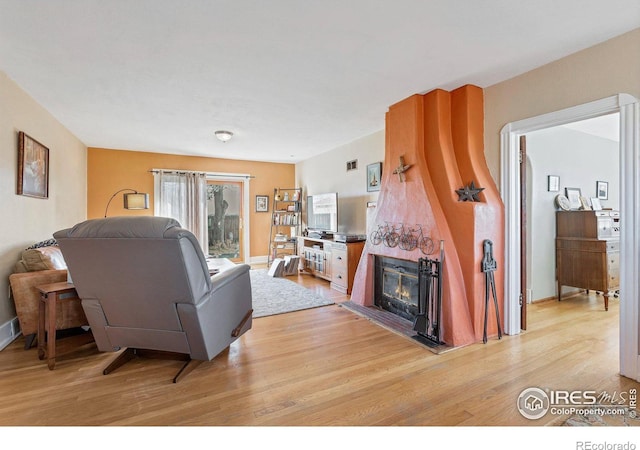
(51, 330)
(41, 327)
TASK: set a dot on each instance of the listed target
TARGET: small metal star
(469, 193)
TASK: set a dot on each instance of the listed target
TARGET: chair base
(132, 353)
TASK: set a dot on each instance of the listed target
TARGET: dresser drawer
(339, 259)
(339, 272)
(613, 269)
(339, 278)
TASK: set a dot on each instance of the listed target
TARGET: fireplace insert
(411, 290)
(396, 286)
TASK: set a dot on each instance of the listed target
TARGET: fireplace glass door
(396, 286)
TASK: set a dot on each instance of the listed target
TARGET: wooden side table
(49, 296)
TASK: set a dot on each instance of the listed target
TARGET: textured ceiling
(291, 78)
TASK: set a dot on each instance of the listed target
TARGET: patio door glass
(224, 219)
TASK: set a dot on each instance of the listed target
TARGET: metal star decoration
(469, 193)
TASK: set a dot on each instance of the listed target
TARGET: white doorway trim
(245, 206)
(629, 110)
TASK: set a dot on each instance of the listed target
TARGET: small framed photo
(595, 204)
(574, 194)
(602, 190)
(262, 203)
(584, 203)
(33, 167)
(374, 172)
(553, 183)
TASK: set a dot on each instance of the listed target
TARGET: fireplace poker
(489, 266)
(427, 321)
(422, 322)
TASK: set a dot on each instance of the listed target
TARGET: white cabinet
(334, 261)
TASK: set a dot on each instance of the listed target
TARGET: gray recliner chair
(145, 286)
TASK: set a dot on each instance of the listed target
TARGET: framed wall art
(262, 203)
(574, 194)
(33, 167)
(602, 190)
(553, 183)
(374, 171)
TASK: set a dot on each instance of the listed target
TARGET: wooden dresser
(588, 251)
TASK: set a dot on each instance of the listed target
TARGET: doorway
(225, 219)
(629, 109)
(577, 155)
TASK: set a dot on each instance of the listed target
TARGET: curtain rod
(209, 174)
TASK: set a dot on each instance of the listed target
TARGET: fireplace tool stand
(427, 322)
(489, 266)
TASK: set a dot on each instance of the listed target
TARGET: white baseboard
(258, 259)
(9, 331)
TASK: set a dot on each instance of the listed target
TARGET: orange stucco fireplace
(439, 136)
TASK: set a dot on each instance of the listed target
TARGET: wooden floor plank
(325, 366)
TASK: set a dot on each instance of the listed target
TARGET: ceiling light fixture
(224, 136)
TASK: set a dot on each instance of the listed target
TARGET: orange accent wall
(110, 170)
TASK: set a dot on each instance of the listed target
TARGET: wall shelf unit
(285, 223)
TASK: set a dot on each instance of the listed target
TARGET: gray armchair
(145, 286)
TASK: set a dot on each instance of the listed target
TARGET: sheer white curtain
(183, 196)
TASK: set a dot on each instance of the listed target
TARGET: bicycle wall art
(401, 235)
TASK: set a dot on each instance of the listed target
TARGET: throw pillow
(43, 258)
(47, 243)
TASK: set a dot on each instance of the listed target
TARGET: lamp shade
(136, 200)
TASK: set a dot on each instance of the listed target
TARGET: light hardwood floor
(325, 366)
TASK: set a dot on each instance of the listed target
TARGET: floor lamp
(132, 200)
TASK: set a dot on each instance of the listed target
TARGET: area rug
(272, 295)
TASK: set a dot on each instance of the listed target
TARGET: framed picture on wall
(602, 190)
(374, 172)
(262, 203)
(553, 183)
(33, 167)
(574, 194)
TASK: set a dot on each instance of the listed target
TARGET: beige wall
(327, 173)
(28, 220)
(601, 71)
